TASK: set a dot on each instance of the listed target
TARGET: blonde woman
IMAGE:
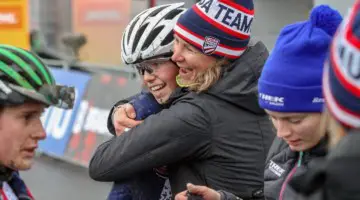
(337, 176)
(212, 130)
(290, 91)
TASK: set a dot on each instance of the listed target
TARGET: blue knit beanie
(291, 80)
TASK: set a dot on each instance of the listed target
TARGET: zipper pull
(300, 158)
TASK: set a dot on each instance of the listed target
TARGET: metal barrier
(92, 67)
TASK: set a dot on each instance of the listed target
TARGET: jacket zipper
(291, 174)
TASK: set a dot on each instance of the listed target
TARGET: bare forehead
(30, 107)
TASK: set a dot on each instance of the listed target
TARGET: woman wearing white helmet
(147, 44)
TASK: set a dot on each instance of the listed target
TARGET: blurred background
(80, 40)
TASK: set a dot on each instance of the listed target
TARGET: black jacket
(283, 165)
(336, 176)
(280, 162)
(219, 138)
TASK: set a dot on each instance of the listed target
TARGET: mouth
(29, 151)
(156, 88)
(294, 142)
(184, 70)
(185, 73)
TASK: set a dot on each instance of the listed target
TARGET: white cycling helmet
(150, 34)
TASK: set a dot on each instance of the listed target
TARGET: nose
(177, 55)
(282, 129)
(39, 132)
(148, 77)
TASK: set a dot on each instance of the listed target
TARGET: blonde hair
(333, 128)
(207, 78)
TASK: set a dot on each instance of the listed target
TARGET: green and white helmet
(24, 77)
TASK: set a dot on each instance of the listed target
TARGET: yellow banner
(14, 23)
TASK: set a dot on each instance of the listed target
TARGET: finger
(121, 119)
(137, 122)
(205, 192)
(130, 111)
(197, 189)
(129, 123)
(181, 196)
(120, 131)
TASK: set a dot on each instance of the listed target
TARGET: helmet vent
(168, 39)
(131, 29)
(137, 36)
(173, 14)
(151, 37)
